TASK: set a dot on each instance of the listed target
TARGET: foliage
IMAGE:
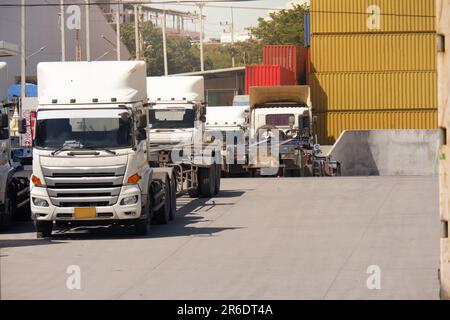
(284, 26)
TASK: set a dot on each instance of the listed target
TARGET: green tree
(181, 54)
(284, 27)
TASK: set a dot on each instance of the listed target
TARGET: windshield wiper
(68, 145)
(63, 148)
(100, 148)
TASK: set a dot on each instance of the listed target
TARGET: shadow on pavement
(182, 226)
(13, 243)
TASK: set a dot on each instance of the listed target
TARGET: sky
(243, 18)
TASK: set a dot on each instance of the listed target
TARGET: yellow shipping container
(373, 52)
(371, 16)
(331, 124)
(374, 91)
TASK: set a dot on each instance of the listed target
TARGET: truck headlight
(40, 202)
(129, 200)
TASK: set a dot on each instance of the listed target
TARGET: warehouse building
(373, 65)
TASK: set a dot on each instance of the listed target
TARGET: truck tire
(162, 216)
(217, 179)
(193, 192)
(142, 226)
(8, 211)
(173, 198)
(43, 228)
(206, 180)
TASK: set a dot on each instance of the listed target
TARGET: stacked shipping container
(282, 65)
(258, 75)
(293, 58)
(373, 65)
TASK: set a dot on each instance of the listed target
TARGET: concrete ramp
(387, 152)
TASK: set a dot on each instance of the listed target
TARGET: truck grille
(84, 186)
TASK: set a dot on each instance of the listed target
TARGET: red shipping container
(291, 57)
(261, 75)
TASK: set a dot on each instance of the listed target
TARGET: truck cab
(90, 155)
(280, 117)
(176, 109)
(177, 136)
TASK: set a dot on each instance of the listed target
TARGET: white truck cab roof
(176, 89)
(98, 82)
(226, 116)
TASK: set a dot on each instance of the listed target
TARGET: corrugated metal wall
(354, 16)
(374, 91)
(338, 121)
(374, 52)
(373, 65)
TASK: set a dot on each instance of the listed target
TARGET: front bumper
(110, 213)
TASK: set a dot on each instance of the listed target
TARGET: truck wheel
(43, 228)
(206, 181)
(142, 226)
(173, 198)
(217, 180)
(163, 214)
(7, 213)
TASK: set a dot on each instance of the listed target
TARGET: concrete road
(260, 238)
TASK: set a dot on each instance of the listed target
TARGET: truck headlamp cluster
(129, 200)
(40, 202)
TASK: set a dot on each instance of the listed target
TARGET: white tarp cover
(298, 94)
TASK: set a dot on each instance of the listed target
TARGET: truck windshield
(171, 118)
(280, 120)
(92, 131)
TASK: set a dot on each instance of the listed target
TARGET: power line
(171, 2)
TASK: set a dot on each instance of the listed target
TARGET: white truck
(90, 153)
(14, 188)
(176, 134)
(287, 112)
(231, 122)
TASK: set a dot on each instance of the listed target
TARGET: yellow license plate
(85, 213)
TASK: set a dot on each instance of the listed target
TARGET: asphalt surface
(261, 238)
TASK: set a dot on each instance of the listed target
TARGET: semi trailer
(90, 153)
(281, 134)
(177, 138)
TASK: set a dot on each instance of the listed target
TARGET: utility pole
(136, 32)
(202, 64)
(23, 55)
(118, 31)
(88, 31)
(229, 28)
(62, 30)
(232, 38)
(141, 36)
(166, 70)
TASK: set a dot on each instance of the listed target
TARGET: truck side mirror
(202, 118)
(22, 126)
(4, 121)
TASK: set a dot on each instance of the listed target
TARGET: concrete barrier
(387, 152)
